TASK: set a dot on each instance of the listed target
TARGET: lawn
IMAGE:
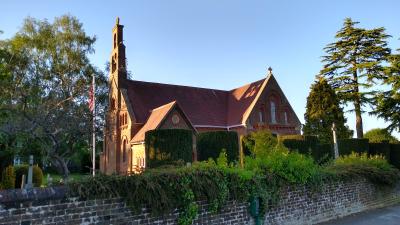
(57, 177)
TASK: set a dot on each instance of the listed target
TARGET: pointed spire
(117, 21)
(270, 71)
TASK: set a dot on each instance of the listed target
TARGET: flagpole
(94, 129)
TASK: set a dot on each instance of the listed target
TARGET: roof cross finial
(270, 71)
(117, 21)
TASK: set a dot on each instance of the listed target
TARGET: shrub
(375, 168)
(260, 142)
(37, 178)
(210, 144)
(8, 178)
(167, 146)
(347, 146)
(380, 149)
(378, 135)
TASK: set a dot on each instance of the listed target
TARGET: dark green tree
(322, 110)
(44, 89)
(387, 103)
(378, 135)
(353, 63)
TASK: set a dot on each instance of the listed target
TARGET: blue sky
(218, 44)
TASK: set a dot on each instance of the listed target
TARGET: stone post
(30, 173)
(335, 143)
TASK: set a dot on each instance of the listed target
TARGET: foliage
(44, 92)
(387, 103)
(210, 144)
(382, 149)
(261, 142)
(37, 173)
(167, 146)
(395, 155)
(378, 135)
(322, 110)
(353, 62)
(375, 168)
(265, 173)
(346, 146)
(8, 178)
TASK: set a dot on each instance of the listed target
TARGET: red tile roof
(203, 107)
(153, 122)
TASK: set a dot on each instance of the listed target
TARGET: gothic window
(273, 112)
(286, 117)
(115, 40)
(261, 116)
(113, 63)
(124, 150)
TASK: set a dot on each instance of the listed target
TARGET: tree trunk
(357, 106)
(61, 166)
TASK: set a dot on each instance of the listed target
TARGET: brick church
(136, 107)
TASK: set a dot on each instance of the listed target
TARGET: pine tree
(353, 63)
(323, 109)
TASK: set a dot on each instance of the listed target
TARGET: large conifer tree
(323, 109)
(387, 104)
(353, 63)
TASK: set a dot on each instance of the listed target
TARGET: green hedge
(168, 147)
(395, 155)
(323, 153)
(380, 149)
(210, 144)
(358, 145)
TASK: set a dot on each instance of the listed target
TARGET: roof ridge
(177, 85)
(165, 105)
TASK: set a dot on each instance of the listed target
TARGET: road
(384, 216)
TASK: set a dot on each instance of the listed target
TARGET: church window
(261, 116)
(115, 40)
(112, 103)
(273, 112)
(124, 150)
(285, 117)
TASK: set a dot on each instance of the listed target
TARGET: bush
(8, 178)
(260, 142)
(210, 145)
(167, 146)
(374, 168)
(347, 146)
(37, 178)
(378, 135)
(380, 149)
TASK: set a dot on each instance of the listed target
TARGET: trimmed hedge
(20, 170)
(168, 147)
(380, 149)
(210, 144)
(395, 155)
(358, 145)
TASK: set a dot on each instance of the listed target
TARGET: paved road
(385, 216)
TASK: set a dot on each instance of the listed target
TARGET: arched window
(124, 150)
(115, 40)
(261, 116)
(286, 117)
(273, 112)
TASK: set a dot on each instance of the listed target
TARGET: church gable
(168, 116)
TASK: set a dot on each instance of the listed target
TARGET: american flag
(91, 96)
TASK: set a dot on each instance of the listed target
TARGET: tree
(322, 110)
(378, 135)
(45, 90)
(387, 103)
(353, 63)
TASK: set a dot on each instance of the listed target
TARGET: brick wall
(297, 206)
